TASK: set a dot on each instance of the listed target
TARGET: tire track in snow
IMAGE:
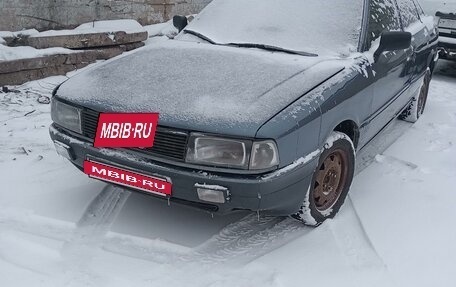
(30, 242)
(235, 245)
(152, 250)
(238, 242)
(89, 235)
(232, 240)
(98, 218)
(36, 225)
(249, 239)
(353, 240)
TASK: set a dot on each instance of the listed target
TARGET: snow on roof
(314, 26)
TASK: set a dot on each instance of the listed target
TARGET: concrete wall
(56, 14)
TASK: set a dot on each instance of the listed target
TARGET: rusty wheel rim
(330, 180)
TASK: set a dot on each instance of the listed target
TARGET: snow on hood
(314, 26)
(199, 87)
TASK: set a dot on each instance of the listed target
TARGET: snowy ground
(59, 228)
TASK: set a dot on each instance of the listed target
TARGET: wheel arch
(350, 128)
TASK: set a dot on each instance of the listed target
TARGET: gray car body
(296, 101)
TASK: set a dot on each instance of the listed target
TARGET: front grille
(89, 122)
(168, 143)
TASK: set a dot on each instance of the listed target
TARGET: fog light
(208, 193)
(63, 150)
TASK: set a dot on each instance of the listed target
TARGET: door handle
(411, 54)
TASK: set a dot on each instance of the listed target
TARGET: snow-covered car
(447, 33)
(263, 104)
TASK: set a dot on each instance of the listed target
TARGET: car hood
(199, 87)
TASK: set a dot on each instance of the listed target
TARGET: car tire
(331, 181)
(416, 108)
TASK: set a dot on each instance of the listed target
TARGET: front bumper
(279, 193)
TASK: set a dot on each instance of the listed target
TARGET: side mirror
(180, 22)
(393, 41)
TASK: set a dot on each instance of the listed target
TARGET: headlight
(218, 151)
(66, 116)
(232, 153)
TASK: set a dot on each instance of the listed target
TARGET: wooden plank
(104, 53)
(18, 78)
(47, 61)
(79, 41)
(17, 72)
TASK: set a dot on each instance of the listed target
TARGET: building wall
(56, 14)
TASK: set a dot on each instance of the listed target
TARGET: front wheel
(331, 181)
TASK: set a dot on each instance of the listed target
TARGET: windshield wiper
(272, 48)
(201, 36)
(249, 45)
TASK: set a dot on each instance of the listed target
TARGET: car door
(421, 45)
(391, 69)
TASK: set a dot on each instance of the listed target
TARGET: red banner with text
(126, 130)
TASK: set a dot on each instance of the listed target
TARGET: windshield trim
(252, 45)
(201, 36)
(272, 48)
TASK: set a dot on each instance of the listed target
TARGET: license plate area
(127, 177)
(447, 23)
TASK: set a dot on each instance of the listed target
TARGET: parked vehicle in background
(431, 7)
(445, 12)
(263, 103)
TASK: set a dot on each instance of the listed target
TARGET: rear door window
(408, 11)
(383, 17)
(419, 8)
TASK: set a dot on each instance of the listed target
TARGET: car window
(408, 11)
(323, 27)
(383, 17)
(419, 8)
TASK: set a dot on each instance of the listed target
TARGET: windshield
(305, 26)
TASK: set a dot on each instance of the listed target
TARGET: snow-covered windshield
(312, 26)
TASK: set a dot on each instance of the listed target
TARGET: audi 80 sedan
(263, 104)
